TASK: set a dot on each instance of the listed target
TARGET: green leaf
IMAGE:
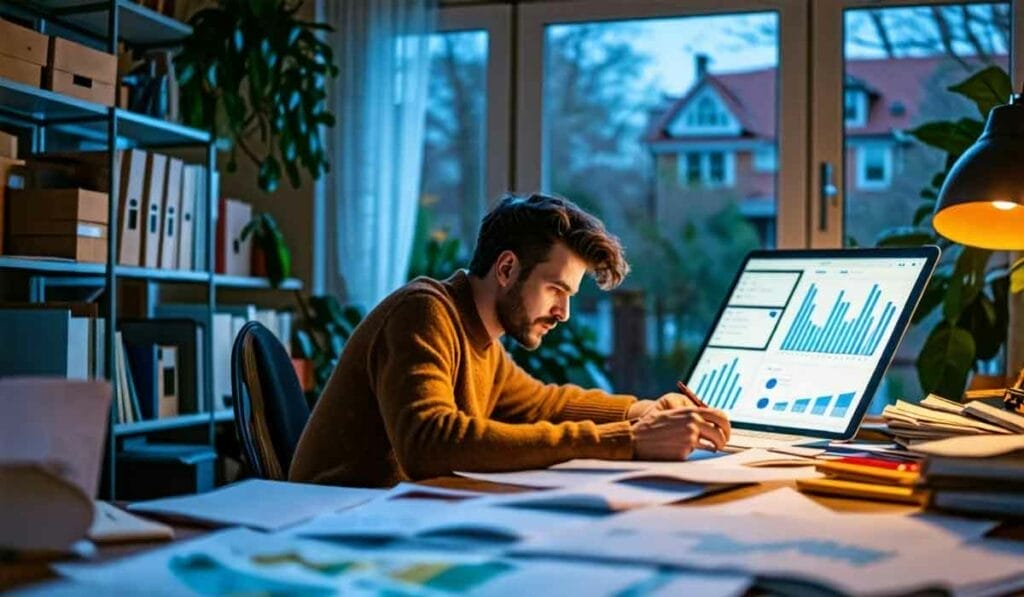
(966, 282)
(1017, 276)
(922, 213)
(987, 88)
(980, 318)
(951, 137)
(905, 236)
(933, 296)
(945, 361)
(270, 174)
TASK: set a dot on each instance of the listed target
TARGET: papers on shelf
(852, 552)
(258, 504)
(244, 561)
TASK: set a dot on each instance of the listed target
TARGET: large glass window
(453, 195)
(899, 64)
(655, 125)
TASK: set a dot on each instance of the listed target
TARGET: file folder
(170, 224)
(156, 174)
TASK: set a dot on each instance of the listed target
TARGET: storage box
(149, 471)
(78, 86)
(8, 180)
(79, 248)
(234, 256)
(21, 71)
(58, 204)
(8, 146)
(22, 44)
(80, 71)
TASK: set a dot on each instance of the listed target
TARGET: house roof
(750, 96)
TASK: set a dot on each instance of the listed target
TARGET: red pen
(690, 394)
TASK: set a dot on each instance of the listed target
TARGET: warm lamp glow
(986, 224)
(1004, 205)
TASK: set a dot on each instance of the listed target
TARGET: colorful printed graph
(817, 406)
(720, 388)
(860, 334)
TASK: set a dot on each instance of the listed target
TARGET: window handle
(826, 191)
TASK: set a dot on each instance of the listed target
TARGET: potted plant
(251, 67)
(971, 294)
(271, 257)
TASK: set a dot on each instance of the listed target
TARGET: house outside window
(874, 166)
(855, 107)
(765, 159)
(708, 169)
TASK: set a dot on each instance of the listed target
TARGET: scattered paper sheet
(244, 561)
(846, 552)
(749, 466)
(259, 504)
(974, 446)
(549, 478)
(784, 501)
(612, 496)
(705, 585)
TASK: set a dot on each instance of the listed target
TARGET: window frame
(792, 83)
(865, 183)
(826, 220)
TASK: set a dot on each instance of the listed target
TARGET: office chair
(270, 408)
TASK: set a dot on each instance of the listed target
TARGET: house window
(874, 166)
(708, 113)
(855, 107)
(709, 169)
(765, 159)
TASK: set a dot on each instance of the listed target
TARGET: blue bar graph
(721, 387)
(780, 406)
(820, 405)
(800, 405)
(842, 405)
(857, 335)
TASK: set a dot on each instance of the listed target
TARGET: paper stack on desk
(938, 418)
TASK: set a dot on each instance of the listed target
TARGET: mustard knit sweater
(421, 390)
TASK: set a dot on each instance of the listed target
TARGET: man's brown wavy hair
(530, 226)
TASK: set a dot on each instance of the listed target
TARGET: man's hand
(673, 434)
(668, 401)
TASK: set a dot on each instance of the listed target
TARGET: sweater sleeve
(524, 399)
(412, 366)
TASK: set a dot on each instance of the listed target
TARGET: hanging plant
(250, 66)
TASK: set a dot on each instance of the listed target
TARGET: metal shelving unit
(91, 126)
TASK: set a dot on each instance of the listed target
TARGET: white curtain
(376, 146)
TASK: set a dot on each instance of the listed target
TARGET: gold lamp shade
(981, 204)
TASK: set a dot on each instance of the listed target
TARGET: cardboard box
(8, 146)
(59, 228)
(21, 71)
(23, 44)
(234, 256)
(93, 250)
(72, 58)
(78, 86)
(77, 205)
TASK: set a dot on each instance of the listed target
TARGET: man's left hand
(668, 401)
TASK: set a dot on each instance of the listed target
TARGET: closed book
(979, 502)
(169, 405)
(152, 209)
(187, 217)
(50, 343)
(871, 491)
(142, 359)
(186, 336)
(868, 474)
(171, 223)
(1005, 469)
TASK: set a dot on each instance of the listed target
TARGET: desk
(24, 573)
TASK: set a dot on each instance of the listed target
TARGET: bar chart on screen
(846, 329)
(720, 387)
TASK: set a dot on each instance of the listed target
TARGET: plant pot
(304, 371)
(258, 262)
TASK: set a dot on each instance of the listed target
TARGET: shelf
(88, 120)
(140, 26)
(250, 282)
(162, 424)
(164, 275)
(52, 265)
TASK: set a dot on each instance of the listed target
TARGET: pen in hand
(690, 394)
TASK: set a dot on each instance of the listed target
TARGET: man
(424, 387)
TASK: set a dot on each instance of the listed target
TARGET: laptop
(803, 338)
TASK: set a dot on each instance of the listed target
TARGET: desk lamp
(981, 203)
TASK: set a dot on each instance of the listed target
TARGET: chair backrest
(270, 408)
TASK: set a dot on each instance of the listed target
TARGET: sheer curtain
(376, 147)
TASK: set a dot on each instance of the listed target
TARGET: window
(707, 169)
(855, 107)
(874, 167)
(765, 159)
(708, 114)
(600, 117)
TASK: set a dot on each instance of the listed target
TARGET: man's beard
(514, 319)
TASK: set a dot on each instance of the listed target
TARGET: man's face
(531, 307)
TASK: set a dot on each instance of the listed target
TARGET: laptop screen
(804, 337)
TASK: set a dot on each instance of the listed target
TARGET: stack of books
(877, 477)
(984, 486)
(937, 418)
